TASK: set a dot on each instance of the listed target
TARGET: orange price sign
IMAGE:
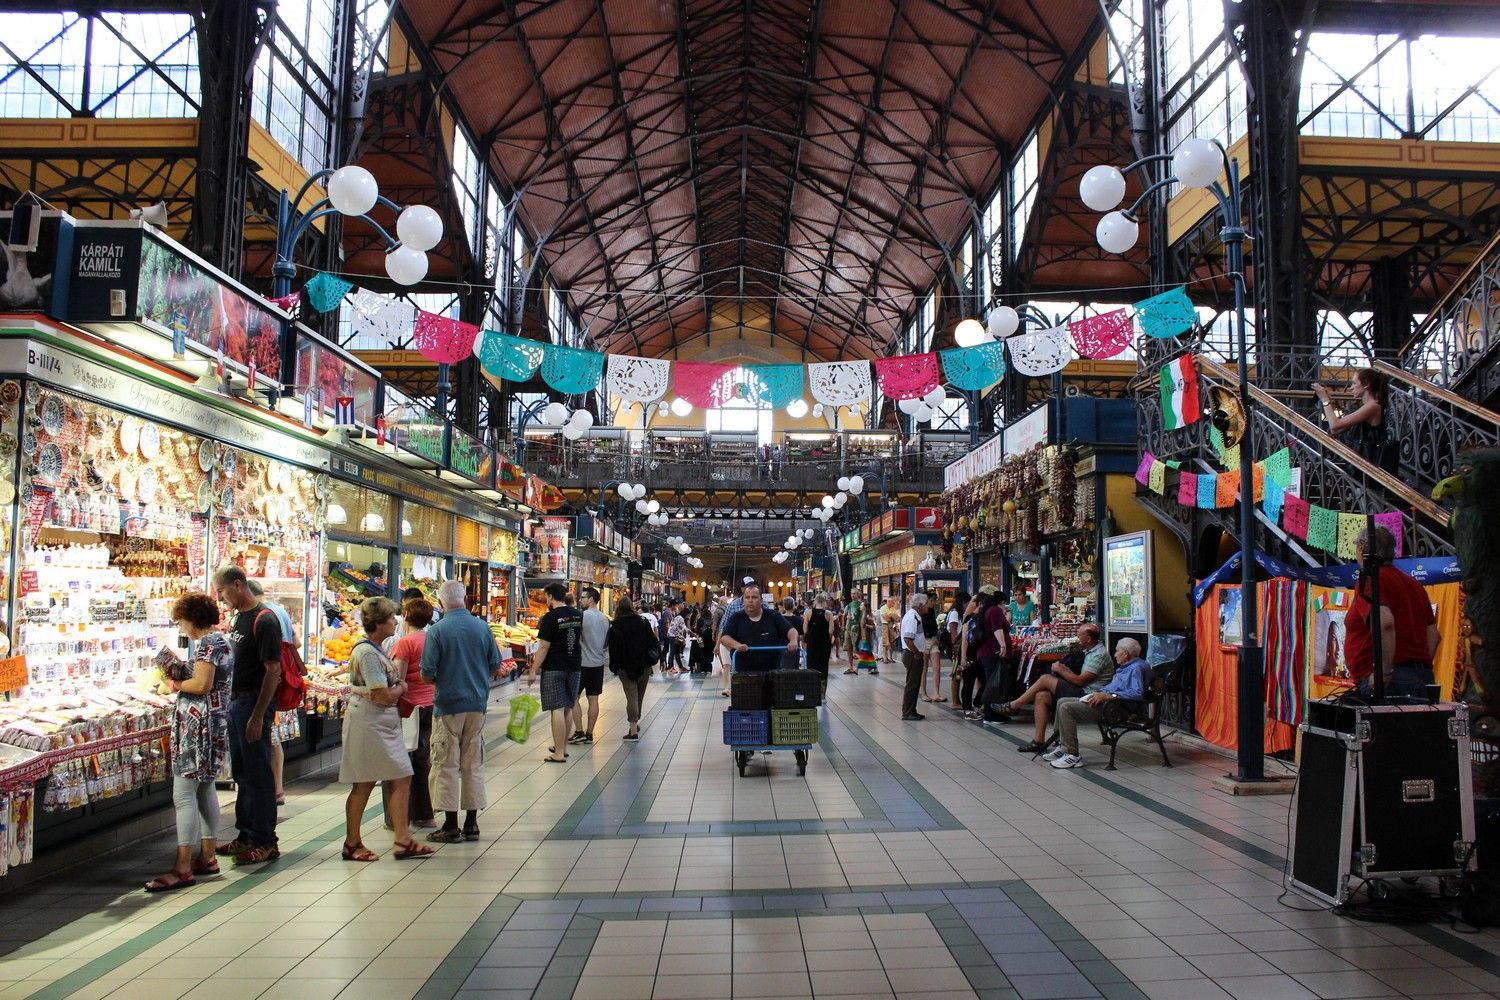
(13, 674)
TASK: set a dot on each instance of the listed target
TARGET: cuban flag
(343, 411)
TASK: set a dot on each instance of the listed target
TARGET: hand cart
(744, 752)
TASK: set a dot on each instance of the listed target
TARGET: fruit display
(518, 635)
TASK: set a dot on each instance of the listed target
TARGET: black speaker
(1383, 791)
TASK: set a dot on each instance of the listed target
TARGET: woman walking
(633, 651)
(406, 655)
(1365, 424)
(373, 747)
(817, 628)
(853, 622)
(200, 742)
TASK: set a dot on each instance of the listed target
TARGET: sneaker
(587, 738)
(1053, 754)
(913, 717)
(232, 849)
(257, 855)
(577, 737)
(471, 833)
(631, 737)
(1067, 760)
(874, 672)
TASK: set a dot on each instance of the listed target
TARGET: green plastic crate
(794, 726)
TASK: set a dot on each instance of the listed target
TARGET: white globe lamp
(406, 266)
(797, 409)
(653, 505)
(571, 433)
(827, 500)
(1117, 232)
(582, 419)
(352, 190)
(970, 333)
(856, 484)
(1197, 162)
(1002, 322)
(554, 414)
(936, 397)
(1102, 188)
(419, 227)
(909, 406)
(681, 407)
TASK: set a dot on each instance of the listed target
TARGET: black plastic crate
(747, 729)
(796, 689)
(794, 726)
(749, 692)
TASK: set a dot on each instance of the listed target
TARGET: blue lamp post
(1198, 163)
(352, 191)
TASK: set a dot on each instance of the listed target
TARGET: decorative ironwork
(1461, 334)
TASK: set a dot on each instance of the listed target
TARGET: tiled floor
(921, 860)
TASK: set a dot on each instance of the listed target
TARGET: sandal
(281, 799)
(445, 836)
(359, 852)
(851, 670)
(170, 881)
(1031, 747)
(411, 849)
(206, 867)
(554, 760)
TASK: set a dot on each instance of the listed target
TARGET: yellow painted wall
(1172, 605)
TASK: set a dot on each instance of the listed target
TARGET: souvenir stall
(502, 570)
(1301, 613)
(357, 554)
(546, 552)
(471, 546)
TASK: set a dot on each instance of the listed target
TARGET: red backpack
(292, 688)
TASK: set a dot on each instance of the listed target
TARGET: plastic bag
(523, 708)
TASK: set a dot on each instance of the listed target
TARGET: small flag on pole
(251, 375)
(380, 432)
(219, 364)
(307, 407)
(343, 411)
(179, 333)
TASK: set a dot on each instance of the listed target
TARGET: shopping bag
(523, 708)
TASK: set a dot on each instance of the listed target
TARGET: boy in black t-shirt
(559, 657)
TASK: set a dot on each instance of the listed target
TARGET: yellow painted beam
(278, 168)
(76, 134)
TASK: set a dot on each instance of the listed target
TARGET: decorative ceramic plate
(130, 435)
(54, 415)
(147, 485)
(206, 456)
(9, 392)
(49, 463)
(320, 486)
(33, 393)
(205, 496)
(28, 443)
(230, 462)
(150, 441)
(27, 493)
(226, 500)
(8, 443)
(7, 492)
(127, 482)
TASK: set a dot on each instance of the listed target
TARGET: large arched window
(738, 415)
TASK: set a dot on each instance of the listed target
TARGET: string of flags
(572, 370)
(1321, 528)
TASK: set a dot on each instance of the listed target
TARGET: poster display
(1128, 582)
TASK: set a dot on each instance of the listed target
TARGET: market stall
(502, 569)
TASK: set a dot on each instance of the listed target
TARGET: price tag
(27, 582)
(13, 674)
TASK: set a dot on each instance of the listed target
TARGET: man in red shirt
(1408, 631)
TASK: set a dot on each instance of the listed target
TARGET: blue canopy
(1424, 569)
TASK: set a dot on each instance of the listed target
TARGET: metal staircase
(1332, 475)
(1457, 346)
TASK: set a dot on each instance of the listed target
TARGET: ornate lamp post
(1198, 163)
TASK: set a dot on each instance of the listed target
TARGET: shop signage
(103, 273)
(68, 371)
(502, 547)
(1128, 583)
(27, 582)
(985, 458)
(179, 291)
(423, 437)
(929, 518)
(472, 459)
(13, 675)
(1028, 431)
(328, 377)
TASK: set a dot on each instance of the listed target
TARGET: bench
(1119, 718)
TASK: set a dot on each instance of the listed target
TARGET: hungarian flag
(1179, 393)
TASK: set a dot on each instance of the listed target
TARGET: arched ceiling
(800, 168)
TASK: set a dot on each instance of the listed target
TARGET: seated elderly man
(1132, 674)
(1096, 671)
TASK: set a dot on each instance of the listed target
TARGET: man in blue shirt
(460, 658)
(1128, 685)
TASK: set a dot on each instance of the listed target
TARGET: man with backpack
(255, 640)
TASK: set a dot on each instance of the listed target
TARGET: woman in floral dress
(200, 740)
